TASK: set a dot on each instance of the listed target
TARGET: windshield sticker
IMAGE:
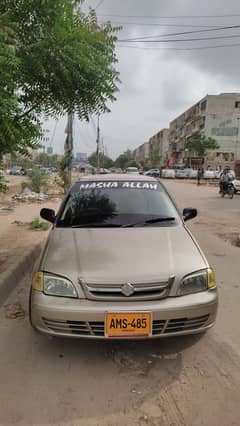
(131, 185)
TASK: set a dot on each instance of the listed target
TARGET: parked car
(181, 173)
(192, 173)
(153, 173)
(103, 171)
(115, 170)
(46, 170)
(17, 171)
(132, 171)
(209, 174)
(120, 263)
(168, 173)
(236, 185)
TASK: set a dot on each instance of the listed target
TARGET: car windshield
(119, 203)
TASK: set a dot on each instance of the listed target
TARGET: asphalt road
(185, 381)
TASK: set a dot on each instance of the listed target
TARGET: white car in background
(192, 173)
(209, 174)
(132, 171)
(236, 185)
(181, 173)
(152, 172)
(168, 173)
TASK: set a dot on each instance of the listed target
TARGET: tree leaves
(200, 144)
(53, 59)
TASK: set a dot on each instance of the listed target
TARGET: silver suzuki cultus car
(119, 263)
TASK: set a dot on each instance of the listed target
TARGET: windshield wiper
(98, 225)
(150, 221)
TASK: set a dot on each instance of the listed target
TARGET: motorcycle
(227, 190)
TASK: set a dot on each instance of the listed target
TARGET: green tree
(132, 163)
(53, 59)
(124, 159)
(38, 180)
(17, 131)
(199, 144)
(155, 158)
(105, 161)
(62, 167)
(21, 160)
(47, 160)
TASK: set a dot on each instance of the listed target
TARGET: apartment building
(158, 145)
(141, 153)
(215, 116)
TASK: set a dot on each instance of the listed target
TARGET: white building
(215, 116)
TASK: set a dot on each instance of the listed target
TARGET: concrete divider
(10, 278)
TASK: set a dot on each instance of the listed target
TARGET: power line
(182, 40)
(99, 4)
(163, 25)
(181, 48)
(183, 33)
(84, 139)
(174, 17)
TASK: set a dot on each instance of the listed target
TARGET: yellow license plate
(128, 324)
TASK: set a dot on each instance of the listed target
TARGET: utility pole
(98, 145)
(69, 144)
(102, 147)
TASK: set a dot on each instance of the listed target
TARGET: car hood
(122, 255)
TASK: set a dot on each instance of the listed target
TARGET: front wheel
(231, 193)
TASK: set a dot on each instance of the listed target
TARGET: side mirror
(48, 214)
(189, 213)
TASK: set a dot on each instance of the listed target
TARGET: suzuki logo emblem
(127, 289)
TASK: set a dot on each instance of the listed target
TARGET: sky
(159, 82)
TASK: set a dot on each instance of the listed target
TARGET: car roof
(116, 177)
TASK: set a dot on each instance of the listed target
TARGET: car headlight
(197, 282)
(53, 285)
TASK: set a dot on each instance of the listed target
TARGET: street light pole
(236, 142)
(69, 144)
(98, 145)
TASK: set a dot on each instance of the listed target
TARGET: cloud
(158, 85)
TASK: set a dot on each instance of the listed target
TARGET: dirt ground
(15, 238)
(15, 235)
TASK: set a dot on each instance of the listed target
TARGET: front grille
(81, 328)
(157, 326)
(185, 324)
(178, 325)
(115, 292)
(97, 329)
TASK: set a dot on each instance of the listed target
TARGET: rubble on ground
(14, 311)
(4, 208)
(28, 196)
(20, 223)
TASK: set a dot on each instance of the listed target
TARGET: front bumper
(78, 318)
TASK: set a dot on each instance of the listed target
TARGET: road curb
(9, 279)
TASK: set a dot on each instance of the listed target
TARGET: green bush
(3, 186)
(38, 180)
(39, 225)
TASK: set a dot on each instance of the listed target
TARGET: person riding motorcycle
(225, 179)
